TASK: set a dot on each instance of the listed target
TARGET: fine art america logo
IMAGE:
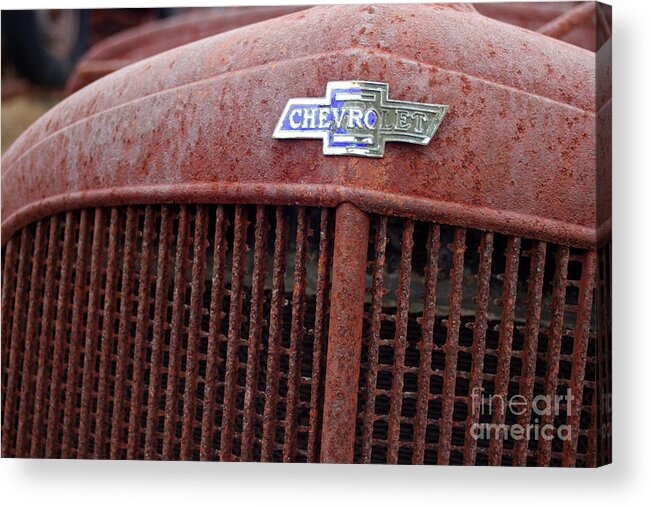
(357, 118)
(541, 407)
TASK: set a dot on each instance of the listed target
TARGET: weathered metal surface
(345, 336)
(515, 153)
(147, 40)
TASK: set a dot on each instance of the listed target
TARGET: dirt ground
(21, 110)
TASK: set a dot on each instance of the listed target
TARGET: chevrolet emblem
(357, 118)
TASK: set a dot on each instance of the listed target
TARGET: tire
(45, 45)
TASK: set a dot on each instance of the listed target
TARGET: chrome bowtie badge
(357, 118)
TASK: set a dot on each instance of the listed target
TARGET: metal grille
(200, 332)
(166, 332)
(451, 311)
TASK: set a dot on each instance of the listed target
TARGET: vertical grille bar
(579, 356)
(90, 346)
(54, 409)
(124, 331)
(374, 340)
(451, 348)
(275, 336)
(207, 450)
(35, 292)
(194, 335)
(255, 331)
(43, 370)
(178, 311)
(17, 333)
(427, 341)
(400, 340)
(140, 342)
(345, 340)
(8, 291)
(320, 336)
(158, 331)
(530, 349)
(234, 333)
(296, 335)
(102, 428)
(505, 346)
(76, 334)
(554, 338)
(478, 343)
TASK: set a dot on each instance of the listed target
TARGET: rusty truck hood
(515, 154)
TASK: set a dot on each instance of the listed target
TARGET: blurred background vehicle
(44, 45)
